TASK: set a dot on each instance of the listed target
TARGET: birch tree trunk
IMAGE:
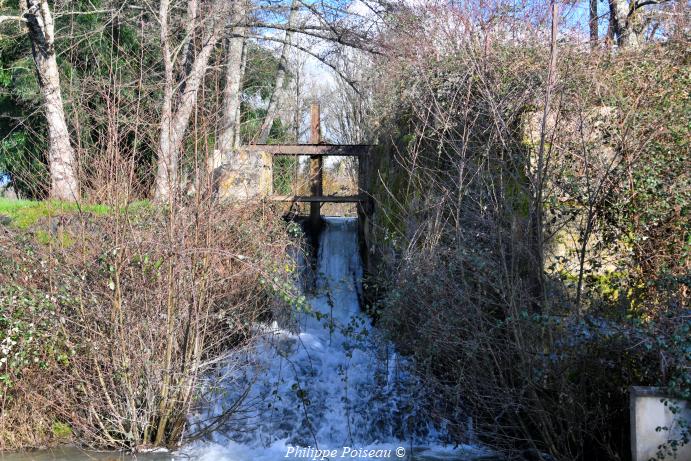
(280, 78)
(175, 113)
(166, 171)
(61, 155)
(229, 135)
(624, 21)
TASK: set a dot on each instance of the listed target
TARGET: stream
(323, 384)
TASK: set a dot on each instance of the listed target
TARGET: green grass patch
(43, 237)
(61, 430)
(25, 213)
(62, 239)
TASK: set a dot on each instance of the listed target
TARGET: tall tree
(229, 135)
(61, 156)
(280, 77)
(180, 94)
(622, 19)
(537, 215)
(627, 22)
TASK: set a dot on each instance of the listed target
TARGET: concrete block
(246, 176)
(648, 412)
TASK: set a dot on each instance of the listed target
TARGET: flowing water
(324, 384)
(327, 380)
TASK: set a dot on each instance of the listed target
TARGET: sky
(318, 79)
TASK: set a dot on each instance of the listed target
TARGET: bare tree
(180, 97)
(537, 217)
(351, 100)
(61, 155)
(229, 136)
(593, 23)
(627, 22)
(180, 94)
(280, 77)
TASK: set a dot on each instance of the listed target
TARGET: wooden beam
(316, 167)
(318, 199)
(353, 150)
(315, 122)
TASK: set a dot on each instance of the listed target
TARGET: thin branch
(321, 59)
(12, 18)
(637, 5)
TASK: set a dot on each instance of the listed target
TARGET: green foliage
(672, 340)
(26, 213)
(100, 56)
(258, 83)
(285, 173)
(86, 67)
(61, 430)
(281, 284)
(651, 89)
(22, 128)
(457, 257)
(27, 169)
(31, 337)
(252, 120)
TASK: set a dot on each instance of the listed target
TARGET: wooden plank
(315, 128)
(325, 198)
(349, 150)
(316, 167)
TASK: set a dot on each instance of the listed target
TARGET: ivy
(30, 335)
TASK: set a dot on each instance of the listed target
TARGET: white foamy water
(325, 381)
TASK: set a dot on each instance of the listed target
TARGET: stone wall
(246, 176)
(580, 145)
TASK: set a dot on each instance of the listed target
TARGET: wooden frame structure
(316, 151)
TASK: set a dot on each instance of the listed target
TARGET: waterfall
(327, 386)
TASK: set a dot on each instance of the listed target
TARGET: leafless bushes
(145, 302)
(539, 367)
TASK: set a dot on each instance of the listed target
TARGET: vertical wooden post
(316, 164)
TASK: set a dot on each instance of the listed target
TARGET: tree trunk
(593, 23)
(229, 134)
(537, 220)
(238, 115)
(623, 20)
(280, 78)
(61, 155)
(175, 120)
(166, 171)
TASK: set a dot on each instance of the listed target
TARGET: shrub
(538, 346)
(115, 330)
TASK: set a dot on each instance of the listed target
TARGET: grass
(25, 213)
(61, 430)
